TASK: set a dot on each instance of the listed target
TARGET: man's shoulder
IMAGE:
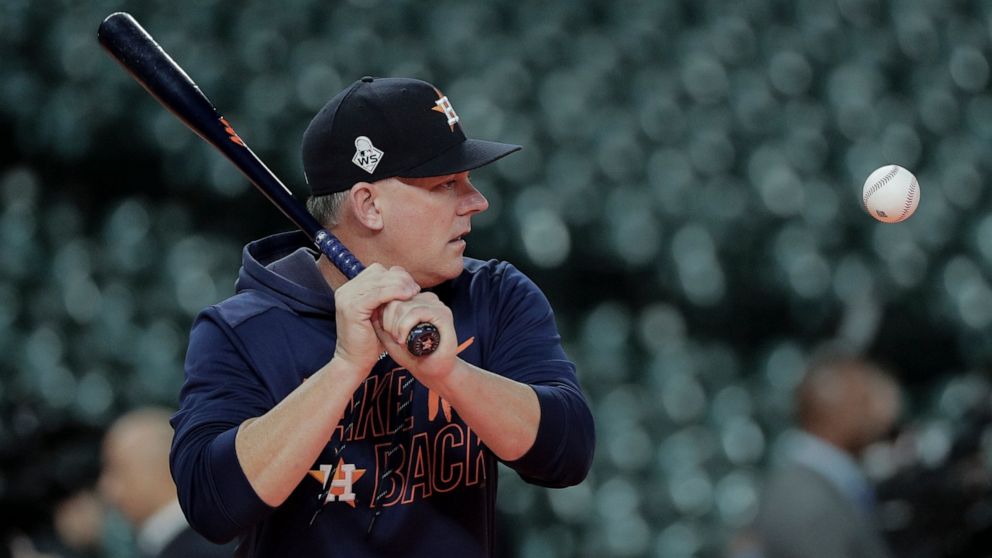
(491, 272)
(795, 485)
(244, 305)
(790, 473)
(499, 287)
(475, 267)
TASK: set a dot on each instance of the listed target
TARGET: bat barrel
(155, 70)
(158, 73)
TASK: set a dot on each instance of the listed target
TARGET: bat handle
(423, 339)
(341, 257)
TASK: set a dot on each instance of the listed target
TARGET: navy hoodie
(250, 351)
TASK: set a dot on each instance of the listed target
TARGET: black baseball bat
(158, 73)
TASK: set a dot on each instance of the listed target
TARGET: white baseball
(891, 194)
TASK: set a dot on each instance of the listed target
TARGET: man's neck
(834, 438)
(358, 244)
(330, 272)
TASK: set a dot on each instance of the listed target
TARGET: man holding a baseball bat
(306, 428)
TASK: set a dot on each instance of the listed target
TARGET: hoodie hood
(283, 266)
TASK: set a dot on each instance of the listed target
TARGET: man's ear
(363, 205)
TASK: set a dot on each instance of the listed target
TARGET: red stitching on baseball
(909, 199)
(881, 182)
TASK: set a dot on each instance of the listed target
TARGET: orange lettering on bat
(232, 135)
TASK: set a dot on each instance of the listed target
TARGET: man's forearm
(503, 412)
(277, 449)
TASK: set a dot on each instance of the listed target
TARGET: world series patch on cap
(389, 127)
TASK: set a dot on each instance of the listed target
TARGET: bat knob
(423, 339)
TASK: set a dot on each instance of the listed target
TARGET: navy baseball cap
(387, 127)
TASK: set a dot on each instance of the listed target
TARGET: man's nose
(473, 201)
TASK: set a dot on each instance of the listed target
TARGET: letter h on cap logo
(443, 105)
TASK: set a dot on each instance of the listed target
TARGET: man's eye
(450, 185)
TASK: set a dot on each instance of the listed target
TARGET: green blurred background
(688, 198)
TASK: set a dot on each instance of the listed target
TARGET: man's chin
(450, 271)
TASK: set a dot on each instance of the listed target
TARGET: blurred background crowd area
(688, 198)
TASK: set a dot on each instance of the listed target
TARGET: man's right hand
(274, 452)
(357, 302)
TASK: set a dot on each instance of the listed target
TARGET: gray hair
(327, 208)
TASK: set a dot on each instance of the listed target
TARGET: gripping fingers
(377, 286)
(400, 317)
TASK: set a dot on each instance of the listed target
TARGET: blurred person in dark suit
(819, 503)
(135, 479)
